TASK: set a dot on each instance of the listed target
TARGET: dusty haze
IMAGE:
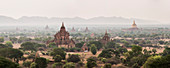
(157, 10)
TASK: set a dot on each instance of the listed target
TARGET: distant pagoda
(86, 30)
(46, 27)
(62, 39)
(105, 39)
(17, 29)
(134, 26)
(73, 30)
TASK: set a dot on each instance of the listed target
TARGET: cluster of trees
(1, 39)
(8, 44)
(31, 46)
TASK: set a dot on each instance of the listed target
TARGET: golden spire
(133, 21)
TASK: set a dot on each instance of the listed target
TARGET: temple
(73, 30)
(46, 27)
(86, 30)
(105, 39)
(134, 26)
(62, 39)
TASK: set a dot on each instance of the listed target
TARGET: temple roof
(62, 27)
(106, 33)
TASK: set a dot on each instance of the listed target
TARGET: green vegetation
(5, 63)
(9, 44)
(58, 51)
(73, 58)
(91, 63)
(41, 62)
(57, 58)
(11, 53)
(69, 65)
(93, 49)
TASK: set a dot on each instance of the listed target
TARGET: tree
(26, 63)
(122, 50)
(13, 39)
(33, 65)
(136, 50)
(154, 51)
(112, 45)
(106, 53)
(136, 42)
(41, 62)
(28, 46)
(11, 53)
(97, 43)
(113, 60)
(161, 42)
(135, 66)
(73, 58)
(9, 44)
(57, 65)
(166, 51)
(107, 65)
(79, 45)
(69, 65)
(91, 63)
(145, 51)
(157, 62)
(5, 63)
(93, 49)
(3, 46)
(32, 46)
(58, 51)
(1, 39)
(57, 58)
(52, 45)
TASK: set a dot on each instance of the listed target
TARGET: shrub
(73, 58)
(57, 65)
(69, 65)
(58, 51)
(91, 63)
(93, 49)
(5, 63)
(135, 66)
(41, 62)
(113, 60)
(26, 63)
(103, 60)
(107, 65)
(57, 58)
(33, 65)
(106, 53)
(80, 64)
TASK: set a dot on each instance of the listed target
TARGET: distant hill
(25, 20)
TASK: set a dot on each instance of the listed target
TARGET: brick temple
(61, 38)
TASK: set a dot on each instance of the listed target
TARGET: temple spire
(134, 22)
(62, 24)
(106, 32)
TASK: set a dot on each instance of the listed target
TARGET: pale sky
(158, 10)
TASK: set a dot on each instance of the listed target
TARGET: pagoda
(73, 30)
(61, 38)
(105, 39)
(134, 26)
(46, 27)
(86, 30)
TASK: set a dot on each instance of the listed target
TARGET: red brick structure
(62, 39)
(105, 39)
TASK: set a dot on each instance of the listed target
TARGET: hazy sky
(144, 9)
